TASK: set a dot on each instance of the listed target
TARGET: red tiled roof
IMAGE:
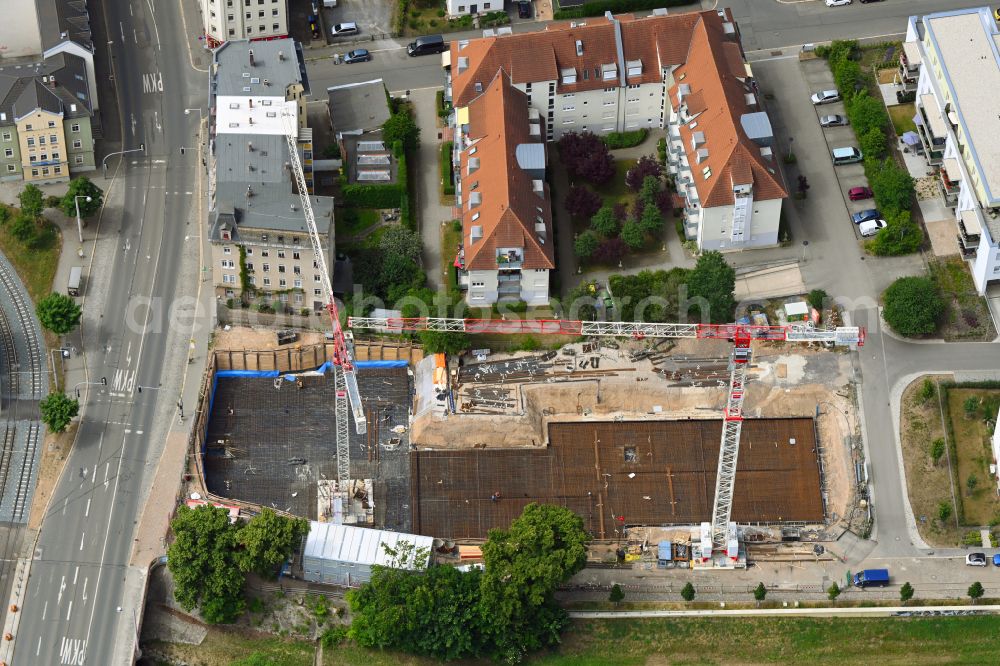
(716, 74)
(509, 207)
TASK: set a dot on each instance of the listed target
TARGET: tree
(927, 390)
(585, 156)
(24, 227)
(713, 280)
(203, 561)
(58, 313)
(586, 244)
(817, 299)
(268, 540)
(944, 511)
(866, 113)
(651, 186)
(846, 75)
(937, 450)
(759, 593)
(616, 594)
(892, 185)
(971, 483)
(524, 565)
(976, 591)
(32, 201)
(632, 235)
(665, 202)
(604, 222)
(400, 241)
(802, 188)
(581, 202)
(651, 220)
(645, 167)
(82, 187)
(688, 592)
(906, 592)
(451, 342)
(833, 591)
(900, 236)
(610, 251)
(912, 306)
(872, 143)
(58, 410)
(401, 127)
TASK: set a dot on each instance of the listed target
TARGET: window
(30, 141)
(41, 141)
(248, 16)
(265, 253)
(45, 171)
(316, 278)
(75, 127)
(32, 159)
(230, 293)
(281, 268)
(295, 255)
(227, 250)
(274, 12)
(6, 136)
(8, 152)
(297, 284)
(569, 122)
(28, 127)
(11, 168)
(569, 108)
(282, 283)
(249, 267)
(228, 263)
(55, 156)
(274, 26)
(253, 280)
(34, 172)
(78, 159)
(53, 138)
(249, 251)
(281, 239)
(317, 292)
(296, 270)
(232, 32)
(266, 267)
(52, 123)
(228, 279)
(77, 143)
(249, 30)
(260, 14)
(486, 5)
(267, 282)
(58, 170)
(281, 253)
(230, 17)
(461, 8)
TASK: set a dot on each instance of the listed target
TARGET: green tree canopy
(203, 560)
(866, 113)
(82, 187)
(759, 593)
(32, 201)
(651, 220)
(448, 342)
(900, 236)
(605, 222)
(833, 591)
(586, 244)
(976, 591)
(400, 241)
(912, 306)
(893, 187)
(688, 592)
(616, 595)
(401, 127)
(58, 313)
(268, 540)
(713, 280)
(906, 592)
(632, 235)
(58, 410)
(873, 142)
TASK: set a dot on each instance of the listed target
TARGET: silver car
(834, 120)
(825, 97)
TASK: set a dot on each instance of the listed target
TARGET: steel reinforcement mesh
(621, 473)
(270, 445)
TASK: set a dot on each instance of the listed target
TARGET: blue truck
(872, 578)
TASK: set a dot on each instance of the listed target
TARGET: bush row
(447, 175)
(598, 7)
(616, 140)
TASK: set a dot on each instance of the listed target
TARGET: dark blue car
(865, 215)
(357, 55)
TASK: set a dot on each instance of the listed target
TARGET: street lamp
(104, 162)
(64, 353)
(79, 224)
(103, 382)
(187, 112)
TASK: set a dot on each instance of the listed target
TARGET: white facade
(344, 555)
(20, 34)
(473, 7)
(226, 20)
(959, 54)
(715, 226)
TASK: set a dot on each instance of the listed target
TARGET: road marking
(122, 28)
(86, 514)
(69, 610)
(85, 589)
(82, 537)
(152, 82)
(62, 588)
(124, 380)
(45, 610)
(65, 505)
(138, 432)
(77, 572)
(107, 468)
(152, 15)
(72, 651)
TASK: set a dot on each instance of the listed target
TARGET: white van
(848, 155)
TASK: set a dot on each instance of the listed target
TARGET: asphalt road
(76, 610)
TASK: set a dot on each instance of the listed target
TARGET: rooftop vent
(281, 55)
(579, 47)
(249, 191)
(473, 164)
(250, 146)
(698, 138)
(475, 199)
(251, 57)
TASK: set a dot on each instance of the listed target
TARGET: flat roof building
(344, 555)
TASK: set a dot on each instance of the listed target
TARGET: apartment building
(229, 20)
(505, 204)
(685, 73)
(46, 133)
(958, 54)
(260, 242)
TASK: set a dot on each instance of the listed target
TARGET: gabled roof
(715, 86)
(358, 106)
(57, 84)
(656, 41)
(509, 205)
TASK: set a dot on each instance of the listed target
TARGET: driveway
(426, 181)
(374, 19)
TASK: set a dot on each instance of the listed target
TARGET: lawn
(451, 238)
(615, 191)
(928, 483)
(351, 222)
(902, 118)
(971, 444)
(967, 317)
(222, 647)
(36, 267)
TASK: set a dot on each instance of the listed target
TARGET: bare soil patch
(972, 436)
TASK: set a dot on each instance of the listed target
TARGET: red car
(859, 193)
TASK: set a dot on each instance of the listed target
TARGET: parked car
(348, 28)
(357, 55)
(825, 97)
(865, 215)
(871, 227)
(975, 559)
(996, 560)
(871, 578)
(834, 120)
(524, 9)
(860, 193)
(838, 3)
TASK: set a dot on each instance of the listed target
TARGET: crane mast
(742, 336)
(345, 380)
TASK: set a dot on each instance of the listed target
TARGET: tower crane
(719, 535)
(344, 378)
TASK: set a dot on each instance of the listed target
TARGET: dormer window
(463, 64)
(475, 198)
(633, 67)
(568, 75)
(473, 164)
(609, 72)
(479, 87)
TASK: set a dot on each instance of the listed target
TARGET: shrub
(927, 391)
(900, 236)
(616, 594)
(401, 127)
(447, 174)
(944, 511)
(833, 591)
(604, 222)
(581, 202)
(32, 201)
(816, 298)
(866, 113)
(23, 227)
(618, 140)
(847, 76)
(646, 167)
(632, 235)
(892, 185)
(872, 142)
(688, 592)
(912, 306)
(906, 592)
(598, 7)
(661, 149)
(971, 406)
(586, 244)
(372, 196)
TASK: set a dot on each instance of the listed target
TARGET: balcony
(509, 258)
(949, 188)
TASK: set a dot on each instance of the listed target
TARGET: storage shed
(344, 555)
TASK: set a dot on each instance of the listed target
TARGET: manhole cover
(777, 53)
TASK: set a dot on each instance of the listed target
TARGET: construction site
(626, 433)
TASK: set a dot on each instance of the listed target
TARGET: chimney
(281, 56)
(249, 191)
(251, 120)
(250, 146)
(251, 58)
(251, 102)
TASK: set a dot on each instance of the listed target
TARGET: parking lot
(373, 17)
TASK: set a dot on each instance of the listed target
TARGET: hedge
(447, 175)
(372, 196)
(617, 6)
(616, 140)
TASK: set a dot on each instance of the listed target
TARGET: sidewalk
(428, 199)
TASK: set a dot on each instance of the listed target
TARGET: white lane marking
(86, 514)
(76, 574)
(39, 648)
(62, 588)
(69, 611)
(121, 27)
(66, 504)
(85, 589)
(45, 610)
(156, 29)
(138, 432)
(82, 537)
(107, 468)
